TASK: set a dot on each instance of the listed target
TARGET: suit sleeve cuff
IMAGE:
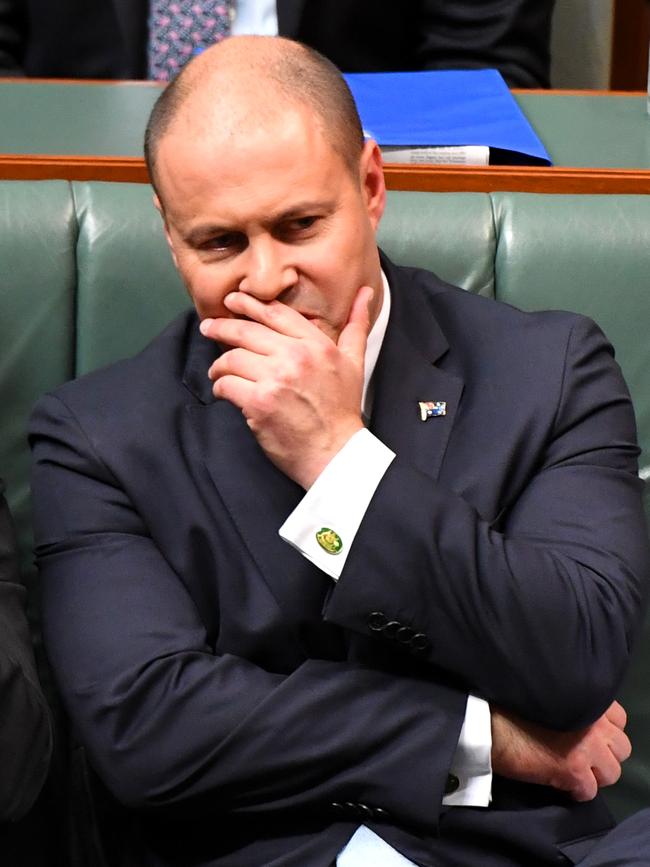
(337, 501)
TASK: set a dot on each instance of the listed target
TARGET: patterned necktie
(178, 29)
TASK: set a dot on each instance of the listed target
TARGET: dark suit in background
(108, 38)
(25, 736)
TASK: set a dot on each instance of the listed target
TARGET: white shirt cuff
(472, 759)
(337, 501)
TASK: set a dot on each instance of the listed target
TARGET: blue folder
(446, 108)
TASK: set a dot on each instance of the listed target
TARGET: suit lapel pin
(432, 408)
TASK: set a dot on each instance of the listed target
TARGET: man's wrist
(314, 468)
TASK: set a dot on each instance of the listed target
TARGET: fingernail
(204, 327)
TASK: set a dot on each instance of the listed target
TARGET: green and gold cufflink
(329, 540)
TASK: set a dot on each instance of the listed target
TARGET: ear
(372, 181)
(158, 206)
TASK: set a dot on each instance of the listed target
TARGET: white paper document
(467, 155)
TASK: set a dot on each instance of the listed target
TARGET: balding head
(265, 184)
(249, 82)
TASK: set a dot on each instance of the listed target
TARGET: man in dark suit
(108, 38)
(287, 635)
(25, 735)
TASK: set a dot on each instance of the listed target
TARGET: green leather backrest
(452, 234)
(590, 254)
(128, 287)
(86, 278)
(37, 294)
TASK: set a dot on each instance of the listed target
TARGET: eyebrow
(196, 236)
(303, 208)
(201, 233)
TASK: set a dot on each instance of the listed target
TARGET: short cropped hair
(296, 73)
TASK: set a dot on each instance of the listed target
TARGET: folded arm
(536, 611)
(166, 720)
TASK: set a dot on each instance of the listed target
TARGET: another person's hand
(575, 762)
(299, 391)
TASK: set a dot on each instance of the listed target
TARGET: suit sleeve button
(405, 635)
(419, 642)
(392, 628)
(377, 621)
(380, 815)
(365, 812)
(452, 784)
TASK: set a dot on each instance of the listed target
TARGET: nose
(268, 270)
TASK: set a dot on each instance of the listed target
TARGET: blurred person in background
(25, 731)
(139, 39)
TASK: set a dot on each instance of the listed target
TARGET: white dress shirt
(339, 499)
(255, 16)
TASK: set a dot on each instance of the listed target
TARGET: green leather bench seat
(85, 278)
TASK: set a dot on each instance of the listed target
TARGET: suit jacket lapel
(290, 16)
(257, 496)
(406, 374)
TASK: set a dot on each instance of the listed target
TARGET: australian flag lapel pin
(432, 409)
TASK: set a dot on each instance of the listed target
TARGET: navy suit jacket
(108, 38)
(242, 706)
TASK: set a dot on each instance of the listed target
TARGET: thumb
(354, 336)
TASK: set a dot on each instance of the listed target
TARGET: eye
(298, 227)
(304, 222)
(224, 243)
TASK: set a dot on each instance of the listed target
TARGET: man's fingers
(239, 362)
(620, 744)
(354, 336)
(238, 391)
(274, 315)
(615, 713)
(605, 747)
(586, 789)
(608, 771)
(241, 332)
(574, 762)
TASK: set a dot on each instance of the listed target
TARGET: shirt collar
(373, 348)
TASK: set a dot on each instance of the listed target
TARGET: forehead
(254, 162)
